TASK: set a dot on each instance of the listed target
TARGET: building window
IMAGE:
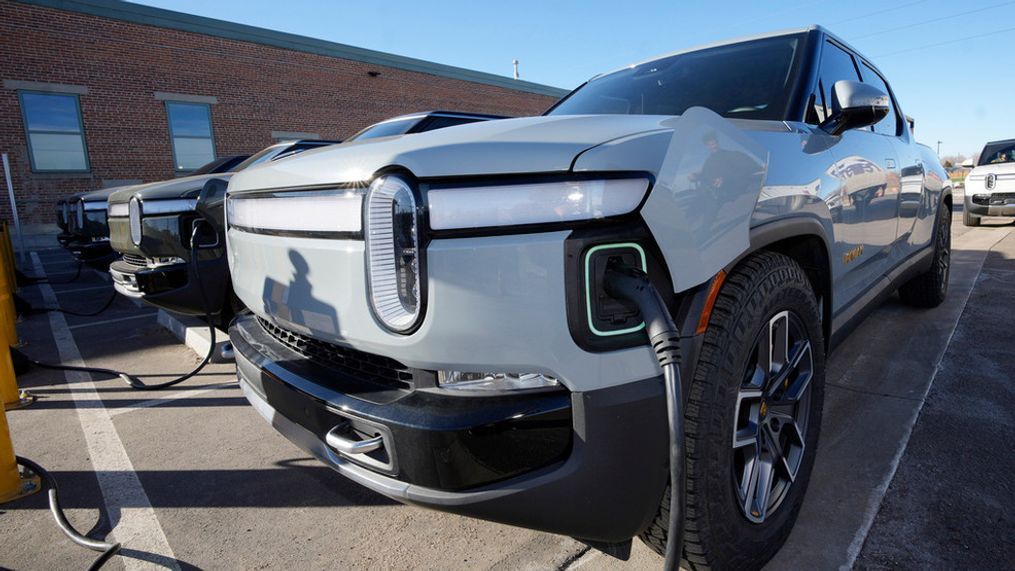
(190, 129)
(56, 139)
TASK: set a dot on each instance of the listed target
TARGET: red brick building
(98, 93)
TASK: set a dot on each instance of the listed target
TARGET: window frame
(899, 120)
(172, 136)
(28, 131)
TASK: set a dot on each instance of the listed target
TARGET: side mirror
(854, 105)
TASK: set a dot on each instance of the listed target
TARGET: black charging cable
(105, 305)
(132, 380)
(633, 286)
(25, 280)
(49, 482)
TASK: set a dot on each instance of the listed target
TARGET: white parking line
(138, 528)
(170, 398)
(108, 321)
(81, 289)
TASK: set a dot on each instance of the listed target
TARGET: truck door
(910, 173)
(864, 207)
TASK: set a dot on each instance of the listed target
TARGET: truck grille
(995, 199)
(135, 260)
(357, 364)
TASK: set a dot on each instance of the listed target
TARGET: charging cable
(632, 285)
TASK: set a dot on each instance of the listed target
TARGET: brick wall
(259, 89)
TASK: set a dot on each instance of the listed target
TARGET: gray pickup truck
(431, 315)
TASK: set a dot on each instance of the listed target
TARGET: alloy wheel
(770, 420)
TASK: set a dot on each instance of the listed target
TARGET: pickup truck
(990, 186)
(84, 221)
(430, 315)
(157, 267)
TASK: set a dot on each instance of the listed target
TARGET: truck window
(747, 80)
(890, 124)
(836, 65)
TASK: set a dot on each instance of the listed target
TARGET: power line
(956, 40)
(915, 24)
(878, 12)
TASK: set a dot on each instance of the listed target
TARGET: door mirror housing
(854, 105)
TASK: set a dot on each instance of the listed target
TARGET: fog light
(459, 380)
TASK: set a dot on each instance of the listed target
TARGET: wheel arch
(803, 239)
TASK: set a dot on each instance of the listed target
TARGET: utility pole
(515, 62)
(939, 148)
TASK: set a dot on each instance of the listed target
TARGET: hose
(49, 482)
(633, 286)
(22, 279)
(104, 307)
(131, 380)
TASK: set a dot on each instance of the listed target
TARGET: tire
(718, 533)
(930, 288)
(969, 219)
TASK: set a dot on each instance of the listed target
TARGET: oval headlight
(134, 212)
(392, 245)
(79, 214)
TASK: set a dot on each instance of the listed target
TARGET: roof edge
(159, 17)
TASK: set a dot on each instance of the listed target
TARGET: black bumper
(89, 252)
(175, 287)
(590, 465)
(998, 204)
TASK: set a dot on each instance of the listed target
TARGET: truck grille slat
(358, 364)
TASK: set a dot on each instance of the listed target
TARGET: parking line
(138, 528)
(871, 512)
(81, 289)
(170, 398)
(108, 321)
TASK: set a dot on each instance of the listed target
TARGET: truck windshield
(997, 153)
(385, 129)
(747, 80)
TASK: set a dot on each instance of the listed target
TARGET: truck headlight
(393, 256)
(79, 214)
(533, 203)
(458, 380)
(134, 212)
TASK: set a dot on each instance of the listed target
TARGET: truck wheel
(930, 288)
(752, 420)
(969, 219)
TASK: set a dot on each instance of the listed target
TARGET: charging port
(607, 315)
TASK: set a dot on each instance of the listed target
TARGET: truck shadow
(295, 303)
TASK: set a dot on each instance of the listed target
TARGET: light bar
(533, 203)
(119, 209)
(311, 211)
(172, 206)
(392, 246)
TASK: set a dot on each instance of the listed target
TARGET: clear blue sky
(949, 62)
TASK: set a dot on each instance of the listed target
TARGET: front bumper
(586, 464)
(174, 286)
(987, 204)
(89, 251)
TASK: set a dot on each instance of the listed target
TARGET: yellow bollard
(8, 313)
(10, 264)
(10, 395)
(12, 484)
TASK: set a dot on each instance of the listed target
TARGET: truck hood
(101, 194)
(508, 146)
(186, 187)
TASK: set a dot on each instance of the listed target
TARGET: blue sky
(948, 62)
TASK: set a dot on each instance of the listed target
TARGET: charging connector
(632, 286)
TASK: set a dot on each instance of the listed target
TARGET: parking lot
(913, 468)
